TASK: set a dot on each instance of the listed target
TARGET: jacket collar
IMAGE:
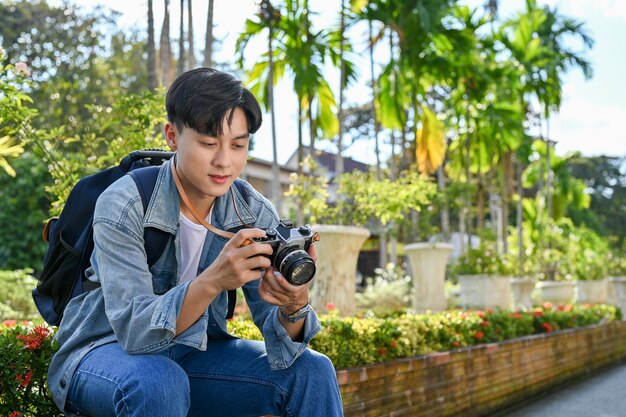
(164, 207)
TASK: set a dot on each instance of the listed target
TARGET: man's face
(208, 165)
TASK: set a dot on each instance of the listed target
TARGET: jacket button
(62, 383)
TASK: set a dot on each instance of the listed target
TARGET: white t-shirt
(192, 236)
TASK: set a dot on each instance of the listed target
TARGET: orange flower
(330, 306)
(479, 335)
(382, 351)
(547, 305)
(547, 327)
(9, 323)
(393, 344)
(455, 343)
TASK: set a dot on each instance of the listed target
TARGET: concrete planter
(619, 284)
(337, 256)
(485, 291)
(557, 291)
(522, 292)
(592, 292)
(428, 268)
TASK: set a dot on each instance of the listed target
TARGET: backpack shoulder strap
(155, 239)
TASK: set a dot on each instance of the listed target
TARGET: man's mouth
(219, 179)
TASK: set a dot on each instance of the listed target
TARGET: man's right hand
(238, 263)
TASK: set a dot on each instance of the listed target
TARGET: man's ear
(171, 135)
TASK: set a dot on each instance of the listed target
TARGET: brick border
(481, 379)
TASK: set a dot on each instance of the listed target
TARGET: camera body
(289, 251)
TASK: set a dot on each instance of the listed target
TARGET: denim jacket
(137, 305)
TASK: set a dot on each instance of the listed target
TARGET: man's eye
(208, 144)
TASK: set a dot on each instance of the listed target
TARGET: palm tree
(268, 17)
(181, 40)
(191, 57)
(152, 71)
(208, 40)
(165, 51)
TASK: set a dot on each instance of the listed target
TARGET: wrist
(292, 308)
(295, 315)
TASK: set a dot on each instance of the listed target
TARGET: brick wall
(481, 379)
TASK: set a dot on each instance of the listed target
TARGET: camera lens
(296, 266)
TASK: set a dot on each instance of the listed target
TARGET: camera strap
(194, 213)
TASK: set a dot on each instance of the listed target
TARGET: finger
(254, 249)
(244, 236)
(312, 252)
(255, 262)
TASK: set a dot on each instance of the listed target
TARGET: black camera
(289, 256)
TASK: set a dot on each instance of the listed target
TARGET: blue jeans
(231, 378)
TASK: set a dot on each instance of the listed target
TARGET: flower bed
(25, 350)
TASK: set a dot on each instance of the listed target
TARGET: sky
(590, 120)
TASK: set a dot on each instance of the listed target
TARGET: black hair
(203, 98)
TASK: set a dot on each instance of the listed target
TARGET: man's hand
(237, 264)
(275, 289)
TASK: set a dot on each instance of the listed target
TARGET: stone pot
(558, 292)
(337, 256)
(619, 283)
(522, 292)
(485, 291)
(592, 291)
(428, 268)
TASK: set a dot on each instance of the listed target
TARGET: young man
(152, 341)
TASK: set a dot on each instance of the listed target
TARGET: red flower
(330, 306)
(479, 335)
(24, 379)
(547, 305)
(15, 414)
(538, 313)
(382, 351)
(393, 344)
(484, 323)
(31, 341)
(547, 327)
(9, 323)
(516, 315)
(455, 343)
(480, 314)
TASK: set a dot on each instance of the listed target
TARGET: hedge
(25, 348)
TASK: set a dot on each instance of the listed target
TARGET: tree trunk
(519, 218)
(468, 178)
(191, 56)
(312, 128)
(550, 174)
(480, 204)
(300, 214)
(445, 209)
(152, 68)
(374, 95)
(208, 40)
(276, 188)
(165, 52)
(342, 71)
(506, 197)
(180, 68)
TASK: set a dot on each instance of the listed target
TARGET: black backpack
(70, 236)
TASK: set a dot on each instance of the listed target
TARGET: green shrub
(25, 353)
(350, 341)
(388, 293)
(16, 302)
(347, 341)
